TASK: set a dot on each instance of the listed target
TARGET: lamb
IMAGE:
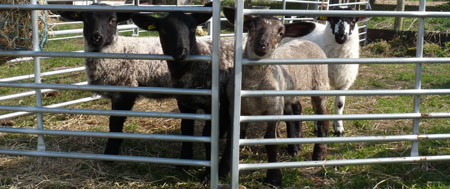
(264, 36)
(177, 35)
(100, 35)
(339, 38)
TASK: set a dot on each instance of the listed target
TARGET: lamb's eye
(112, 21)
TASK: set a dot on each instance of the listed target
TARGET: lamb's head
(176, 31)
(99, 27)
(265, 32)
(342, 27)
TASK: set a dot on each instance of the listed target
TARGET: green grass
(30, 172)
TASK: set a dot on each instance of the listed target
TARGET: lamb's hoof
(294, 149)
(339, 134)
(273, 177)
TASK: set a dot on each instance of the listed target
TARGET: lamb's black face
(342, 27)
(99, 28)
(265, 34)
(176, 30)
(177, 35)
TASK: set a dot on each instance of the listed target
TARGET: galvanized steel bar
(170, 161)
(30, 76)
(37, 74)
(81, 100)
(418, 78)
(344, 117)
(347, 61)
(125, 8)
(80, 31)
(215, 96)
(386, 92)
(30, 93)
(177, 138)
(238, 31)
(394, 138)
(100, 55)
(371, 161)
(106, 88)
(341, 13)
(107, 112)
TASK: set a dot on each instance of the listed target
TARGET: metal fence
(39, 87)
(416, 116)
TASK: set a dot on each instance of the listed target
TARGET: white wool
(341, 76)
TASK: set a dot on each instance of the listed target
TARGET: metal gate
(416, 92)
(39, 87)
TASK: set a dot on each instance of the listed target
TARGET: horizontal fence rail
(170, 161)
(126, 8)
(395, 138)
(100, 55)
(59, 105)
(370, 161)
(106, 88)
(342, 13)
(108, 135)
(106, 112)
(251, 93)
(347, 61)
(344, 117)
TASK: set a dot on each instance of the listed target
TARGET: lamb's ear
(202, 17)
(299, 29)
(145, 22)
(69, 15)
(230, 15)
(123, 16)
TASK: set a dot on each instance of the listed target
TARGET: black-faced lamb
(177, 35)
(100, 35)
(339, 38)
(264, 36)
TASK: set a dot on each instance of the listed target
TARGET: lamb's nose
(263, 44)
(181, 53)
(97, 37)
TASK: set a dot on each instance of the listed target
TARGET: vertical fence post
(238, 29)
(418, 84)
(284, 8)
(37, 74)
(215, 98)
(398, 24)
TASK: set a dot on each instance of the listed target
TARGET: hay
(16, 30)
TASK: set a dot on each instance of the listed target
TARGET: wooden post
(399, 20)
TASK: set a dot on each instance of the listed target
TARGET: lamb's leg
(338, 125)
(187, 128)
(294, 128)
(273, 175)
(320, 127)
(118, 102)
(225, 129)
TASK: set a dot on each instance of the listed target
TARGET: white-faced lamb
(339, 38)
(264, 36)
(100, 35)
(177, 35)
